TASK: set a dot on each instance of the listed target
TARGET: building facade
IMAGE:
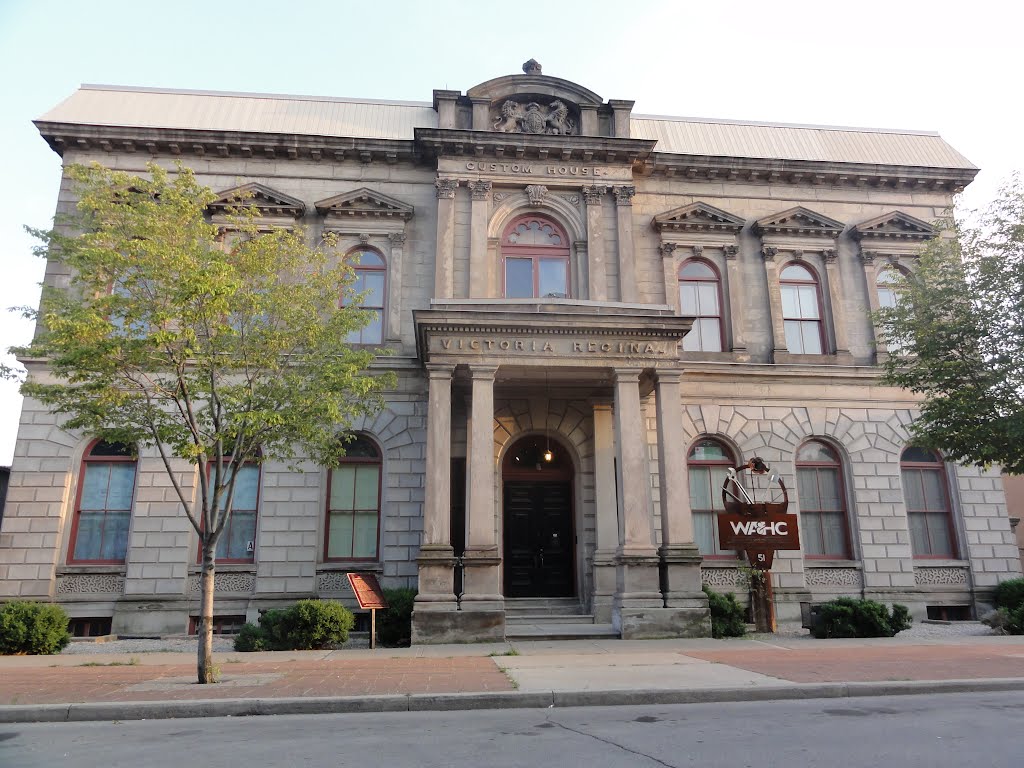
(591, 315)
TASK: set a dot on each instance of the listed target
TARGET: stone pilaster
(768, 254)
(478, 252)
(596, 272)
(867, 260)
(737, 303)
(627, 256)
(606, 511)
(444, 253)
(393, 331)
(835, 296)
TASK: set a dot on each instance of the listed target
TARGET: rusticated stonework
(90, 584)
(719, 577)
(940, 576)
(226, 582)
(834, 577)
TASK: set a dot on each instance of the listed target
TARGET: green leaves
(960, 327)
(217, 344)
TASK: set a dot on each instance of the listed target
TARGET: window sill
(351, 565)
(225, 568)
(119, 569)
(939, 561)
(787, 358)
(827, 562)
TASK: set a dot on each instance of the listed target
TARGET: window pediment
(698, 217)
(364, 204)
(269, 202)
(894, 225)
(801, 222)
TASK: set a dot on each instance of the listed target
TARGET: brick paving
(357, 677)
(876, 663)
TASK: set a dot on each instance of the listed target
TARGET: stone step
(542, 606)
(551, 631)
(550, 618)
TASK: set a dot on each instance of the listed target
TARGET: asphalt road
(974, 730)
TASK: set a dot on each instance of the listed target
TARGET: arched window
(823, 518)
(103, 508)
(353, 504)
(801, 310)
(237, 543)
(371, 277)
(700, 298)
(928, 509)
(535, 253)
(707, 464)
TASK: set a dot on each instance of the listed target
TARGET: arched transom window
(819, 480)
(371, 277)
(535, 254)
(103, 509)
(700, 298)
(928, 509)
(707, 464)
(801, 310)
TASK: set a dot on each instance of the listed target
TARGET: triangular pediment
(895, 225)
(365, 203)
(698, 217)
(267, 201)
(799, 221)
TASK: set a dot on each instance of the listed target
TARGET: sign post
(370, 596)
(755, 520)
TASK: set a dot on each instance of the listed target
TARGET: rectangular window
(238, 540)
(706, 503)
(105, 510)
(353, 512)
(519, 278)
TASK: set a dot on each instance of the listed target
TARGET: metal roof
(104, 105)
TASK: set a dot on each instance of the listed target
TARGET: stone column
(627, 255)
(596, 272)
(436, 559)
(680, 556)
(394, 318)
(835, 295)
(607, 512)
(482, 561)
(444, 254)
(737, 305)
(478, 251)
(768, 253)
(637, 579)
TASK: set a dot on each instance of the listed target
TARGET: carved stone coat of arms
(533, 117)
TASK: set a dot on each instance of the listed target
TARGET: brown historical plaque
(368, 591)
(758, 532)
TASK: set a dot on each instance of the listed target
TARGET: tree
(957, 332)
(221, 346)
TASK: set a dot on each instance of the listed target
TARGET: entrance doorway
(538, 519)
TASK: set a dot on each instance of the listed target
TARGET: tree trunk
(206, 672)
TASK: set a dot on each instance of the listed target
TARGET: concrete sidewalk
(523, 674)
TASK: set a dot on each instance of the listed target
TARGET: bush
(850, 617)
(1009, 594)
(307, 625)
(394, 625)
(36, 628)
(728, 617)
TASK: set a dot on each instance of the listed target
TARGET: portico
(485, 361)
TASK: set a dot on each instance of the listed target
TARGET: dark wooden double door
(538, 538)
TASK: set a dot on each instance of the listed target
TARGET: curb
(160, 710)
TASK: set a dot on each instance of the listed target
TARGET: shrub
(1009, 594)
(394, 625)
(250, 638)
(728, 617)
(307, 625)
(850, 617)
(36, 628)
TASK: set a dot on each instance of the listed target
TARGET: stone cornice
(893, 226)
(799, 222)
(364, 204)
(698, 217)
(814, 173)
(440, 142)
(269, 202)
(176, 142)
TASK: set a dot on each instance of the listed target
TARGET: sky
(951, 67)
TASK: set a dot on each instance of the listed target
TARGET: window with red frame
(706, 465)
(371, 278)
(237, 543)
(823, 519)
(928, 509)
(103, 510)
(700, 298)
(353, 504)
(535, 252)
(801, 310)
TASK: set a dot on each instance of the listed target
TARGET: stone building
(592, 314)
